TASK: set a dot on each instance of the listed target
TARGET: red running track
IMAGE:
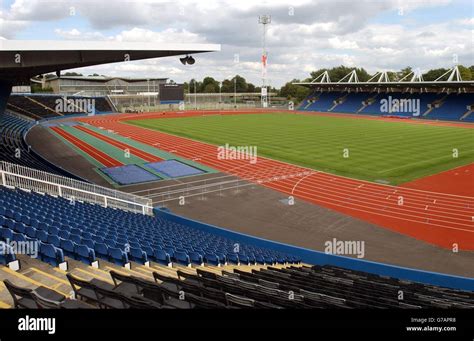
(438, 218)
(98, 155)
(459, 180)
(135, 151)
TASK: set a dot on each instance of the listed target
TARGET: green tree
(402, 73)
(209, 85)
(294, 92)
(339, 72)
(433, 74)
(465, 73)
(240, 85)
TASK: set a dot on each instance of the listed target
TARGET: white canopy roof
(23, 59)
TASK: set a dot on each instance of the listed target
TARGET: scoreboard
(171, 93)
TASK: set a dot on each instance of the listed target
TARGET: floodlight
(187, 60)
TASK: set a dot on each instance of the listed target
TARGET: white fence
(39, 181)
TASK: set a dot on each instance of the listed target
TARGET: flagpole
(264, 20)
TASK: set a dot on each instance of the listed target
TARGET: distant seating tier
(13, 147)
(46, 106)
(452, 107)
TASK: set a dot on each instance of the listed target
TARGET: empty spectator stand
(433, 105)
(88, 232)
(268, 287)
(14, 149)
(42, 106)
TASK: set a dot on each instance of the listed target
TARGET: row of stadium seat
(85, 232)
(40, 106)
(451, 107)
(277, 288)
(14, 149)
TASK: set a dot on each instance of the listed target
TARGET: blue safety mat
(174, 168)
(129, 174)
(59, 124)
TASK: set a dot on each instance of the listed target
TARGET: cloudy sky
(304, 35)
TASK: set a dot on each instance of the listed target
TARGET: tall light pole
(148, 84)
(195, 96)
(235, 92)
(264, 20)
(220, 94)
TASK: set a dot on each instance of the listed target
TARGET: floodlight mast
(264, 20)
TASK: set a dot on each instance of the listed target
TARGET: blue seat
(137, 255)
(232, 258)
(86, 235)
(222, 257)
(243, 259)
(182, 258)
(97, 239)
(101, 250)
(88, 242)
(134, 245)
(50, 254)
(43, 227)
(84, 254)
(149, 251)
(252, 259)
(211, 258)
(17, 216)
(117, 256)
(6, 233)
(63, 234)
(75, 238)
(53, 230)
(259, 259)
(26, 220)
(162, 257)
(75, 231)
(68, 247)
(19, 227)
(9, 223)
(195, 258)
(18, 237)
(9, 214)
(34, 223)
(110, 242)
(269, 260)
(54, 240)
(30, 232)
(42, 236)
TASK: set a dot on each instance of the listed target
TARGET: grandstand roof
(23, 59)
(371, 86)
(106, 78)
(424, 84)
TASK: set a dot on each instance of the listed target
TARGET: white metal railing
(39, 181)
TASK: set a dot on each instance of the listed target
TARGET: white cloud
(338, 43)
(304, 35)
